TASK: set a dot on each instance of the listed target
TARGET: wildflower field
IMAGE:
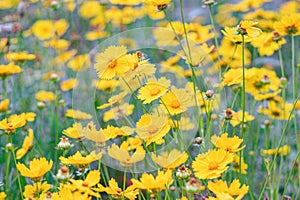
(149, 99)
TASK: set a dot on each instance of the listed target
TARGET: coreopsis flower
(86, 186)
(75, 132)
(288, 25)
(58, 44)
(36, 190)
(152, 127)
(4, 105)
(99, 136)
(68, 84)
(276, 110)
(170, 160)
(68, 193)
(30, 116)
(231, 145)
(232, 77)
(80, 62)
(26, 146)
(113, 132)
(248, 28)
(77, 114)
(282, 151)
(80, 161)
(212, 164)
(176, 101)
(239, 165)
(96, 34)
(154, 184)
(37, 168)
(45, 96)
(89, 9)
(232, 34)
(154, 89)
(121, 154)
(12, 123)
(9, 69)
(193, 186)
(2, 195)
(47, 29)
(65, 56)
(126, 3)
(235, 190)
(117, 193)
(159, 4)
(238, 116)
(112, 62)
(20, 56)
(105, 85)
(113, 100)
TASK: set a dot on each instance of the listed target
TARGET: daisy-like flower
(229, 144)
(288, 25)
(237, 118)
(36, 190)
(27, 144)
(119, 111)
(80, 62)
(159, 4)
(12, 123)
(77, 114)
(113, 132)
(153, 89)
(113, 100)
(67, 193)
(99, 136)
(212, 164)
(20, 56)
(235, 190)
(170, 160)
(113, 189)
(86, 186)
(2, 195)
(68, 84)
(154, 184)
(121, 154)
(106, 85)
(248, 28)
(37, 168)
(9, 69)
(112, 62)
(45, 96)
(232, 34)
(152, 127)
(282, 151)
(239, 165)
(176, 101)
(75, 132)
(80, 161)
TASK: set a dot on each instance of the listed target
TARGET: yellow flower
(77, 114)
(59, 44)
(67, 193)
(153, 89)
(234, 190)
(27, 144)
(239, 167)
(113, 100)
(231, 33)
(237, 118)
(176, 101)
(68, 84)
(4, 105)
(45, 96)
(36, 190)
(2, 196)
(119, 111)
(20, 56)
(10, 69)
(152, 127)
(248, 28)
(80, 62)
(30, 116)
(37, 168)
(95, 35)
(75, 132)
(89, 9)
(154, 184)
(46, 29)
(170, 160)
(288, 25)
(80, 161)
(112, 62)
(65, 56)
(86, 186)
(121, 154)
(160, 4)
(113, 132)
(282, 151)
(126, 2)
(275, 110)
(113, 189)
(212, 164)
(105, 85)
(228, 144)
(91, 133)
(12, 123)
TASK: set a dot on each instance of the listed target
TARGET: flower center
(112, 64)
(153, 131)
(155, 91)
(84, 184)
(213, 165)
(175, 104)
